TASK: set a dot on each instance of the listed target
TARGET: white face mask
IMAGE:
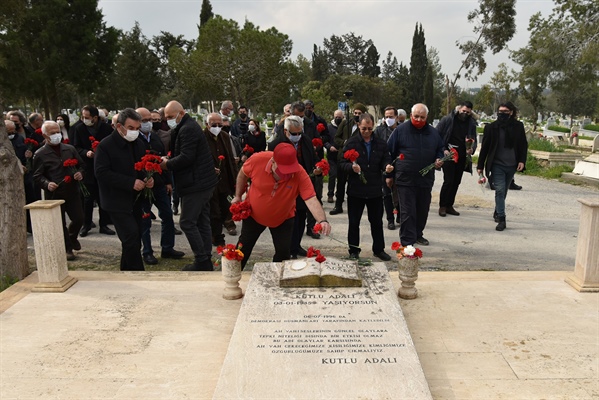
(87, 122)
(172, 123)
(131, 135)
(251, 128)
(146, 127)
(390, 121)
(11, 137)
(60, 123)
(55, 138)
(215, 130)
(295, 139)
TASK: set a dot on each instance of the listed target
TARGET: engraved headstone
(321, 343)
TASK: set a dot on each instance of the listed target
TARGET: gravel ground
(541, 234)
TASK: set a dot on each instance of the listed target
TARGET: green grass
(544, 145)
(586, 137)
(6, 282)
(592, 127)
(558, 128)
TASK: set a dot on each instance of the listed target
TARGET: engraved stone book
(330, 273)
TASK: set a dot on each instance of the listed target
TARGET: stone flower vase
(231, 270)
(408, 273)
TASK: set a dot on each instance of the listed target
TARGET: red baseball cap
(286, 158)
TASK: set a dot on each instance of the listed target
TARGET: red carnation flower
(221, 157)
(320, 258)
(317, 228)
(320, 127)
(316, 142)
(402, 157)
(395, 246)
(67, 179)
(351, 155)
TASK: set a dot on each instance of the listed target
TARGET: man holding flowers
(121, 185)
(57, 180)
(414, 145)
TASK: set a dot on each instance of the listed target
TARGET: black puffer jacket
(372, 168)
(191, 162)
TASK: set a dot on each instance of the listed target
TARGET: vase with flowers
(408, 264)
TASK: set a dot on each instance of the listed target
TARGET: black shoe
(150, 259)
(232, 231)
(92, 225)
(176, 254)
(84, 231)
(76, 245)
(178, 232)
(443, 211)
(220, 243)
(330, 199)
(205, 265)
(354, 256)
(302, 252)
(106, 230)
(422, 241)
(336, 211)
(501, 225)
(451, 211)
(513, 186)
(391, 226)
(495, 217)
(312, 234)
(383, 256)
(70, 256)
(175, 210)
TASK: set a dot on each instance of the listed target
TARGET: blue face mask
(295, 139)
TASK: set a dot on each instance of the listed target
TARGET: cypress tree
(418, 64)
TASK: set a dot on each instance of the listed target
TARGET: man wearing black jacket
(364, 186)
(195, 178)
(162, 189)
(120, 185)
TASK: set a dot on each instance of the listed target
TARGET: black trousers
(388, 198)
(73, 207)
(128, 228)
(219, 214)
(452, 177)
(88, 206)
(340, 193)
(281, 239)
(299, 222)
(332, 158)
(355, 209)
(415, 203)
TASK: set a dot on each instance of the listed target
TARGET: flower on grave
(453, 155)
(240, 210)
(312, 252)
(231, 252)
(320, 127)
(318, 229)
(406, 251)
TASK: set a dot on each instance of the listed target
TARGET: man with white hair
(401, 115)
(226, 109)
(414, 145)
(58, 182)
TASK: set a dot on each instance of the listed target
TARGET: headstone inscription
(321, 343)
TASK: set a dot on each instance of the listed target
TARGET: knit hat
(360, 106)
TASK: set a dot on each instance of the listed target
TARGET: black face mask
(226, 129)
(156, 126)
(308, 113)
(463, 116)
(357, 118)
(243, 116)
(17, 126)
(338, 121)
(503, 117)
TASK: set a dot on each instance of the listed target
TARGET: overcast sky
(388, 23)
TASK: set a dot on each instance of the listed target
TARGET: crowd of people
(164, 159)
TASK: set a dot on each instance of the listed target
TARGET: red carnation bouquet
(352, 155)
(71, 165)
(312, 252)
(453, 155)
(150, 164)
(324, 166)
(320, 127)
(94, 143)
(240, 210)
(230, 251)
(406, 251)
(248, 150)
(317, 143)
(31, 144)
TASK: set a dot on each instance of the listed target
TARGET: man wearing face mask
(50, 174)
(18, 118)
(293, 134)
(419, 145)
(120, 185)
(346, 130)
(332, 154)
(240, 127)
(162, 190)
(455, 129)
(383, 132)
(165, 136)
(17, 141)
(503, 152)
(91, 126)
(226, 170)
(277, 181)
(195, 178)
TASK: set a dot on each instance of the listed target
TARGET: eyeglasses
(295, 133)
(504, 111)
(216, 125)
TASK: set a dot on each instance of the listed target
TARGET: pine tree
(418, 64)
(429, 98)
(206, 13)
(371, 62)
(320, 65)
